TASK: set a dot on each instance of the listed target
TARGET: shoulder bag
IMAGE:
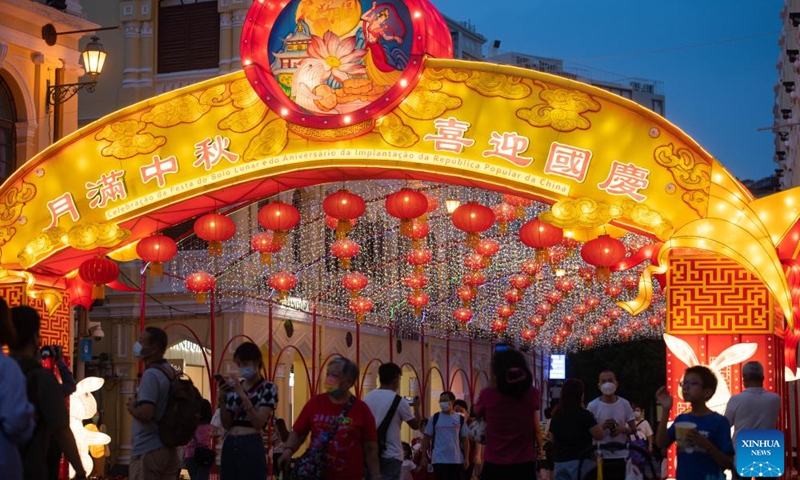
(311, 465)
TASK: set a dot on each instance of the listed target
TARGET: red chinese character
(509, 145)
(60, 206)
(109, 187)
(449, 135)
(158, 169)
(210, 152)
(626, 179)
(568, 161)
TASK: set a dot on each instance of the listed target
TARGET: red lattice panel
(55, 327)
(709, 294)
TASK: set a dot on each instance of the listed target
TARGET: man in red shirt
(356, 441)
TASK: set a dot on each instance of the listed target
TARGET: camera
(97, 333)
(53, 352)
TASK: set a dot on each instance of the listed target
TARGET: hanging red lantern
(407, 204)
(282, 282)
(605, 321)
(473, 218)
(528, 334)
(475, 261)
(354, 282)
(587, 340)
(563, 331)
(214, 228)
(603, 252)
(586, 273)
(345, 249)
(503, 214)
(654, 321)
(556, 255)
(592, 302)
(360, 306)
(629, 281)
(463, 315)
(580, 309)
(557, 340)
(419, 232)
(612, 291)
(488, 248)
(554, 297)
(473, 279)
(569, 319)
(614, 313)
(564, 284)
(264, 244)
(520, 281)
(97, 272)
(625, 332)
(540, 236)
(570, 244)
(418, 258)
(415, 281)
(433, 202)
(543, 308)
(505, 311)
(156, 249)
(531, 268)
(536, 320)
(418, 300)
(513, 295)
(466, 294)
(344, 207)
(333, 223)
(662, 311)
(80, 293)
(499, 325)
(279, 217)
(635, 325)
(519, 204)
(596, 329)
(200, 283)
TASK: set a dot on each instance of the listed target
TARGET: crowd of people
(500, 437)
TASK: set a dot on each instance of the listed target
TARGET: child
(708, 449)
(407, 466)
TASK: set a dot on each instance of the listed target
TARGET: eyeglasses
(683, 384)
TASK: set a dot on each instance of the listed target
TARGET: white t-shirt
(621, 412)
(643, 429)
(753, 409)
(379, 401)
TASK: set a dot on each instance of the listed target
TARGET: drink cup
(681, 433)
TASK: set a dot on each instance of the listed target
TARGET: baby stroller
(642, 461)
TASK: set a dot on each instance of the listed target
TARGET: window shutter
(188, 37)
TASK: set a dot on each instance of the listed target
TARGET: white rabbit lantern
(83, 406)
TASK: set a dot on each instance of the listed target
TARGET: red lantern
(156, 249)
(473, 279)
(279, 217)
(200, 283)
(214, 228)
(433, 202)
(554, 297)
(635, 325)
(625, 332)
(564, 284)
(518, 203)
(556, 255)
(613, 291)
(418, 300)
(416, 281)
(543, 308)
(531, 268)
(282, 282)
(473, 218)
(587, 340)
(344, 207)
(406, 205)
(605, 321)
(563, 331)
(629, 281)
(466, 294)
(504, 214)
(528, 334)
(570, 244)
(520, 281)
(333, 223)
(537, 320)
(614, 313)
(540, 236)
(603, 252)
(499, 325)
(97, 272)
(488, 248)
(586, 274)
(569, 320)
(264, 244)
(463, 315)
(580, 309)
(592, 302)
(557, 340)
(354, 282)
(419, 232)
(418, 258)
(505, 311)
(360, 306)
(80, 293)
(476, 261)
(513, 296)
(654, 321)
(345, 249)
(596, 330)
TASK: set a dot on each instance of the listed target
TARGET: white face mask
(137, 349)
(608, 388)
(445, 406)
(638, 413)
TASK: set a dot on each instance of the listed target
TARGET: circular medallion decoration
(331, 68)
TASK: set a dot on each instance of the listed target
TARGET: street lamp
(94, 57)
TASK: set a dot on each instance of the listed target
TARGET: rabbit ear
(681, 349)
(734, 354)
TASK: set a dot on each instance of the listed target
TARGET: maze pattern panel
(55, 327)
(710, 294)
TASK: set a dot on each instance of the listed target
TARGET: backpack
(436, 419)
(182, 415)
(383, 429)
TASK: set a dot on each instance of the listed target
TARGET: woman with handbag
(200, 452)
(343, 434)
(510, 409)
(246, 401)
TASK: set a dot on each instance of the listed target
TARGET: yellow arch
(54, 211)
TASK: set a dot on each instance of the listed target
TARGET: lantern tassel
(278, 238)
(417, 310)
(283, 295)
(502, 227)
(359, 318)
(214, 248)
(419, 269)
(416, 243)
(345, 263)
(472, 239)
(519, 212)
(355, 293)
(98, 292)
(201, 297)
(466, 303)
(343, 227)
(266, 258)
(603, 274)
(406, 227)
(542, 255)
(156, 269)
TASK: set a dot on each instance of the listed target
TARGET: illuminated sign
(558, 367)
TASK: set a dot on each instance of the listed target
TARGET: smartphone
(409, 399)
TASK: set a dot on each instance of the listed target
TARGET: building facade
(785, 111)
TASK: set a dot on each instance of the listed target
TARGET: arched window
(8, 131)
(188, 35)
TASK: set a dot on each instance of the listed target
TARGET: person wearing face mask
(150, 458)
(246, 401)
(615, 415)
(338, 412)
(643, 429)
(447, 432)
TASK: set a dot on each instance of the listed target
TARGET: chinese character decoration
(214, 228)
(108, 188)
(210, 152)
(473, 218)
(63, 205)
(158, 170)
(156, 249)
(509, 146)
(97, 272)
(626, 179)
(567, 161)
(449, 135)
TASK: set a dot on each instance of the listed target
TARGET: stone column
(146, 67)
(130, 73)
(236, 38)
(225, 42)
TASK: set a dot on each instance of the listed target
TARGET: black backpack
(182, 416)
(436, 419)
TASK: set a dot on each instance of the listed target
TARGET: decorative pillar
(146, 67)
(236, 38)
(225, 41)
(130, 73)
